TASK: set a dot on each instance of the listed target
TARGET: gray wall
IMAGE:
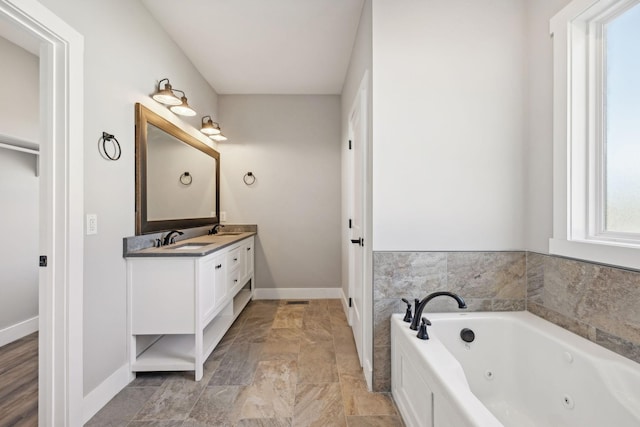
(19, 118)
(126, 53)
(292, 146)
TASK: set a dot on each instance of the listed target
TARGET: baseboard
(367, 369)
(17, 331)
(345, 306)
(101, 395)
(297, 293)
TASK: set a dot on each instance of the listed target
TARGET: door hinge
(349, 144)
(43, 260)
(350, 302)
(350, 223)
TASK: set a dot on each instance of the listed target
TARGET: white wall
(126, 52)
(539, 150)
(448, 135)
(292, 146)
(360, 62)
(19, 118)
(19, 85)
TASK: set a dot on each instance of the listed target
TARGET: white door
(357, 144)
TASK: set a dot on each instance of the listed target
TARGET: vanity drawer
(233, 280)
(235, 259)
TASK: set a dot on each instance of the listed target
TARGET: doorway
(61, 207)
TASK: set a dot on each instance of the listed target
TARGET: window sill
(599, 252)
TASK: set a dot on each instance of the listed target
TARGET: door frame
(361, 100)
(60, 372)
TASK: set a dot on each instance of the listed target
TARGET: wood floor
(280, 365)
(19, 383)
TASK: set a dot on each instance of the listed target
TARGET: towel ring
(102, 146)
(186, 178)
(249, 178)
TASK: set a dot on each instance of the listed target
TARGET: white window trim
(577, 223)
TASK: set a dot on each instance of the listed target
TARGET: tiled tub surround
(600, 303)
(488, 281)
(597, 302)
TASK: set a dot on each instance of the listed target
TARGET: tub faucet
(170, 238)
(420, 306)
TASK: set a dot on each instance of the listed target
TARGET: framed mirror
(177, 176)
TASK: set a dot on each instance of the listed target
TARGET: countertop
(211, 244)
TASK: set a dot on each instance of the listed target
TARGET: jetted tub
(519, 371)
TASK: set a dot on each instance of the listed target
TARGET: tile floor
(279, 365)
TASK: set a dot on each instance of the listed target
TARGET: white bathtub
(520, 371)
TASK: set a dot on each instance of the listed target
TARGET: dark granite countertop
(193, 247)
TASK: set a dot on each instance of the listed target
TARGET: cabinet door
(248, 250)
(207, 285)
(220, 281)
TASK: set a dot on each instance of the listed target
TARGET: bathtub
(519, 371)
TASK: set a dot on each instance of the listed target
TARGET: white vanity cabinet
(180, 307)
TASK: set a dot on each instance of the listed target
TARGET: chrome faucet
(216, 229)
(170, 238)
(420, 306)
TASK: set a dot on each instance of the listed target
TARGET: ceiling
(264, 46)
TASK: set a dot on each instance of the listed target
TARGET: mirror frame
(145, 116)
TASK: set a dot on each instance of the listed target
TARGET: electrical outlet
(223, 217)
(92, 224)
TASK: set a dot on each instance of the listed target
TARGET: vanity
(183, 297)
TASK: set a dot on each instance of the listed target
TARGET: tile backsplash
(600, 303)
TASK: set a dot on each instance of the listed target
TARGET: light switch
(92, 224)
(223, 216)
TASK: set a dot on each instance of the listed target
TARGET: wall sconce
(209, 128)
(218, 137)
(166, 96)
(183, 109)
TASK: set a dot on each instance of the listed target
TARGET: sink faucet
(420, 306)
(216, 229)
(170, 238)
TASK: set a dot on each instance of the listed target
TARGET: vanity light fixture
(183, 109)
(218, 137)
(210, 127)
(166, 96)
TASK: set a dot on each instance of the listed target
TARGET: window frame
(578, 136)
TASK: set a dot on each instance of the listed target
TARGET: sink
(188, 246)
(230, 233)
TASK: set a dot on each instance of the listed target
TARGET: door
(357, 146)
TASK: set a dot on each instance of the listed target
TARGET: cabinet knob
(248, 249)
(235, 280)
(235, 259)
(218, 266)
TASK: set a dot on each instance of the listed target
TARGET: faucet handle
(407, 316)
(422, 333)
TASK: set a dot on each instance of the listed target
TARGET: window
(621, 136)
(597, 131)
